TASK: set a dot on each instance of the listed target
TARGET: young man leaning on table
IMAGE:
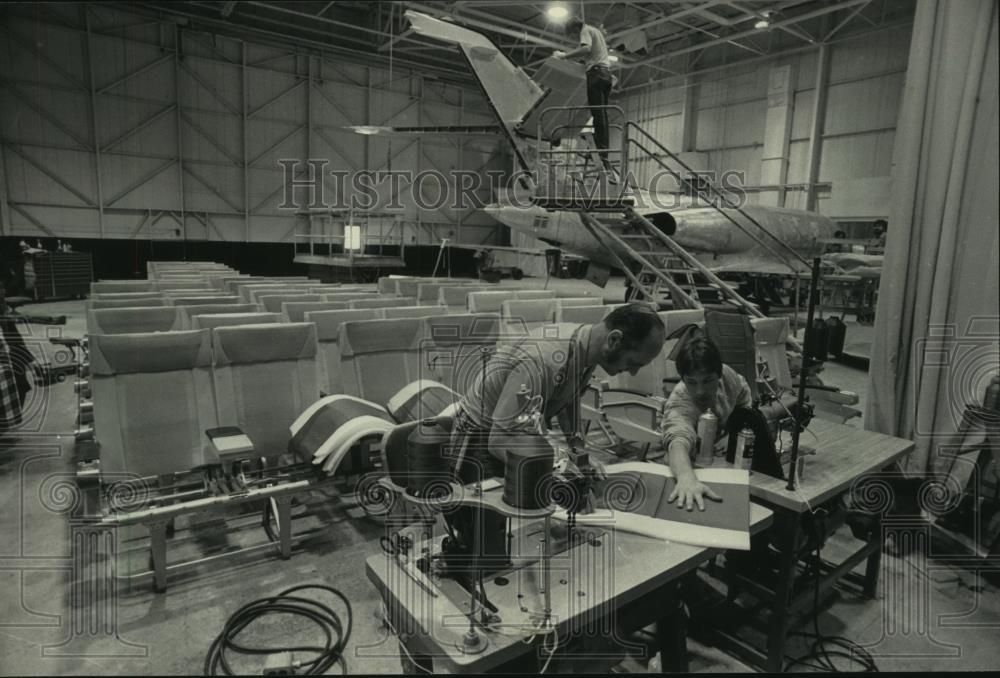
(706, 384)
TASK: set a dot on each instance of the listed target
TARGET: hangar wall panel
(729, 107)
(114, 125)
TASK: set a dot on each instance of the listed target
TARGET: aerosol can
(707, 426)
(744, 449)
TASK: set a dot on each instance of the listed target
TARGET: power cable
(825, 647)
(336, 631)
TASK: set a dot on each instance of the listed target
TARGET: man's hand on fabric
(690, 491)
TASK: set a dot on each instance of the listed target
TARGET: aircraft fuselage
(702, 231)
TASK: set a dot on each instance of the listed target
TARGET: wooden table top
(843, 454)
(589, 581)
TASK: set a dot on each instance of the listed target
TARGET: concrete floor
(929, 615)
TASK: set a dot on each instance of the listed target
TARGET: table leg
(158, 553)
(786, 531)
(671, 633)
(874, 562)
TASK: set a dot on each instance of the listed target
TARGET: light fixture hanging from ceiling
(557, 12)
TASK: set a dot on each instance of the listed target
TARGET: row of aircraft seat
(260, 354)
(162, 315)
(328, 321)
(339, 352)
(296, 305)
(157, 392)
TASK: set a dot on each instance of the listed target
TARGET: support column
(180, 138)
(243, 131)
(689, 117)
(817, 125)
(309, 116)
(93, 121)
(777, 129)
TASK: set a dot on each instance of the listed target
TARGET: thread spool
(528, 461)
(425, 460)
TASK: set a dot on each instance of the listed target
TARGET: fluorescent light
(366, 129)
(763, 23)
(613, 58)
(557, 12)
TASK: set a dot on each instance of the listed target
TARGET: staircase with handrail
(572, 178)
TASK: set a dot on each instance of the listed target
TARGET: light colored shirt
(680, 420)
(543, 371)
(592, 37)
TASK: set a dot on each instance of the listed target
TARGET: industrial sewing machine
(496, 527)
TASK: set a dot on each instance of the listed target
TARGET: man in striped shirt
(545, 373)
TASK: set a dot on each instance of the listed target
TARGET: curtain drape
(938, 317)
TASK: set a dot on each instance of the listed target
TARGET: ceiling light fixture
(557, 12)
(762, 23)
(367, 129)
(613, 58)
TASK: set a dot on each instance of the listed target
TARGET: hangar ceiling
(653, 40)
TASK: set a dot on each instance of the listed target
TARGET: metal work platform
(348, 244)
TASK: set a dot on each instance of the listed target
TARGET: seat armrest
(628, 391)
(87, 454)
(230, 443)
(630, 397)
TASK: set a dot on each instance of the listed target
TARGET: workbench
(843, 455)
(614, 581)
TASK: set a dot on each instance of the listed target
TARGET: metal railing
(365, 220)
(699, 187)
(633, 137)
(550, 158)
(708, 187)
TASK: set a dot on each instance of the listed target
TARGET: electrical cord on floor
(337, 632)
(821, 653)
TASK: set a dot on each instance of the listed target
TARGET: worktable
(843, 455)
(617, 582)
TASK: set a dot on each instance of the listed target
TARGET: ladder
(658, 269)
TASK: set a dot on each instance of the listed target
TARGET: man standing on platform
(594, 50)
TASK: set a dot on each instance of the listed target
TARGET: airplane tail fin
(552, 106)
(510, 90)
